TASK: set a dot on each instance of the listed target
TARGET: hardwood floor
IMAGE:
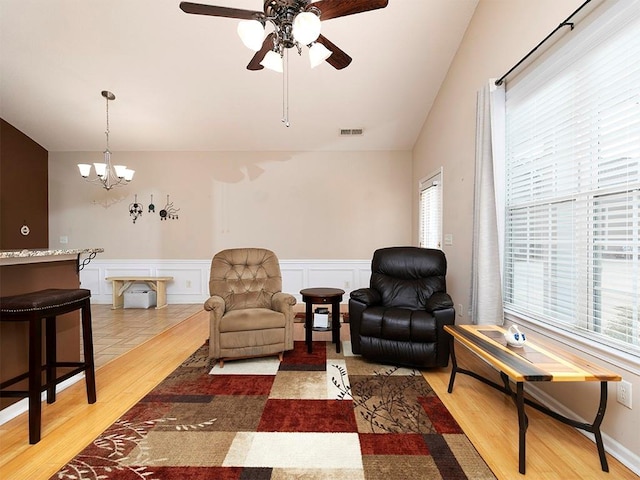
(489, 418)
(555, 451)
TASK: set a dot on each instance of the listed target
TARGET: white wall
(302, 205)
(500, 33)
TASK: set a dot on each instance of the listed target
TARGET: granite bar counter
(14, 257)
(29, 270)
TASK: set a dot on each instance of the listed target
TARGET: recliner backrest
(245, 277)
(406, 277)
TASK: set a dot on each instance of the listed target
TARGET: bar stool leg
(51, 358)
(87, 344)
(35, 378)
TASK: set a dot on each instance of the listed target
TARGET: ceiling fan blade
(267, 45)
(200, 9)
(338, 59)
(340, 8)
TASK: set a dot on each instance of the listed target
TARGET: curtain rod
(565, 23)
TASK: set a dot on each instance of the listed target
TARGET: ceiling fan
(296, 23)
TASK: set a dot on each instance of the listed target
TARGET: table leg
(161, 291)
(335, 324)
(308, 324)
(454, 364)
(596, 426)
(522, 427)
(117, 294)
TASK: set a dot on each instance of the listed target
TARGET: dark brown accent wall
(24, 190)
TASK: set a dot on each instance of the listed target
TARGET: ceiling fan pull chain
(285, 89)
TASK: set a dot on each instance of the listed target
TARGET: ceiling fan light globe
(318, 53)
(272, 61)
(306, 28)
(251, 32)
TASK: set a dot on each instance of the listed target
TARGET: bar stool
(33, 307)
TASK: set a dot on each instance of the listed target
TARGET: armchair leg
(221, 363)
(281, 356)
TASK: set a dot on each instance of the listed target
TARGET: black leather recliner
(399, 319)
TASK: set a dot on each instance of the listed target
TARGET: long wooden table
(534, 362)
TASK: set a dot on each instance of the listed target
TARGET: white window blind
(431, 211)
(572, 226)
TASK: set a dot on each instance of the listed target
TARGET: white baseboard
(190, 283)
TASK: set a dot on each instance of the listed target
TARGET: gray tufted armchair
(250, 315)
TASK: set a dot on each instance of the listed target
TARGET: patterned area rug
(313, 416)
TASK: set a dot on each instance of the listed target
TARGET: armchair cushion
(248, 318)
(399, 324)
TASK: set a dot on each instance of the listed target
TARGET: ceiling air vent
(350, 131)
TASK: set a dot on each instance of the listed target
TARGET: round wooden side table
(322, 296)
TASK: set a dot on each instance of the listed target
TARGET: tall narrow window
(572, 247)
(431, 211)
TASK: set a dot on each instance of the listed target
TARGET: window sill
(612, 356)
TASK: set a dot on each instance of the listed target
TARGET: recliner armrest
(368, 296)
(215, 304)
(282, 302)
(438, 301)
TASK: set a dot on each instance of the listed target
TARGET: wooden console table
(120, 285)
(531, 363)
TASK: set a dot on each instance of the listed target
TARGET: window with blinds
(572, 217)
(431, 211)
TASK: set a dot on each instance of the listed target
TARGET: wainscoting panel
(190, 283)
(90, 278)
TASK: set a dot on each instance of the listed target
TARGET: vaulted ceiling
(181, 82)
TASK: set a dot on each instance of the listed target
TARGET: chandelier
(292, 28)
(107, 175)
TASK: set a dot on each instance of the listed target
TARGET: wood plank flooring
(555, 451)
(490, 420)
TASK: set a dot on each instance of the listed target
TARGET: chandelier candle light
(107, 175)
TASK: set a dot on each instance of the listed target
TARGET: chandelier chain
(107, 131)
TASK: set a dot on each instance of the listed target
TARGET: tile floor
(118, 331)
